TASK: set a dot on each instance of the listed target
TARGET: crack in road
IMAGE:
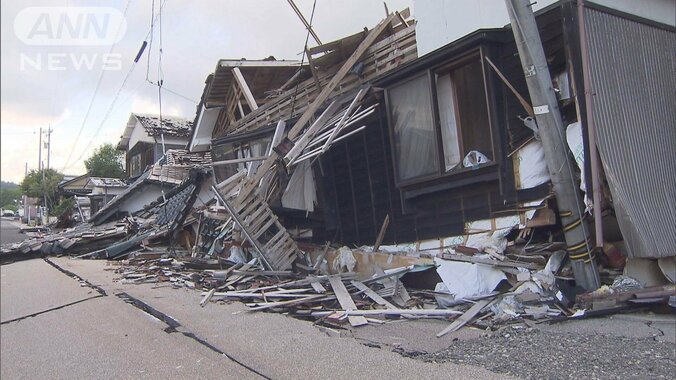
(49, 310)
(174, 326)
(75, 276)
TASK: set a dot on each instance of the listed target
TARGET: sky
(78, 90)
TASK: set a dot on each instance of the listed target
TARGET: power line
(117, 94)
(96, 90)
(305, 51)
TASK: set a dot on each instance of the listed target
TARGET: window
(414, 134)
(135, 165)
(438, 119)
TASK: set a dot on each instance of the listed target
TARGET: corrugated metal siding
(633, 75)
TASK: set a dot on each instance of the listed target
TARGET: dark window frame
(477, 54)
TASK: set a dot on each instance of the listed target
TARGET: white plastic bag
(474, 158)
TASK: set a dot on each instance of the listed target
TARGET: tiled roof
(107, 182)
(171, 126)
(183, 157)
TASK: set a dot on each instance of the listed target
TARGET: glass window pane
(472, 109)
(414, 133)
(449, 123)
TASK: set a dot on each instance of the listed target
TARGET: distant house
(103, 190)
(143, 139)
(177, 168)
(75, 185)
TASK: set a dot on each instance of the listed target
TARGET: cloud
(195, 35)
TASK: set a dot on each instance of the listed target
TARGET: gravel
(534, 354)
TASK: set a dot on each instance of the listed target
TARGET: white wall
(443, 21)
(148, 194)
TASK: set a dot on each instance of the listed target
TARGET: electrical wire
(112, 104)
(96, 90)
(302, 60)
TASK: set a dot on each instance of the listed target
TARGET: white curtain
(449, 124)
(414, 133)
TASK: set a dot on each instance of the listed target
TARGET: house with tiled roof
(147, 137)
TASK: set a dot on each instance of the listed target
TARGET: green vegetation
(65, 205)
(105, 162)
(42, 183)
(9, 194)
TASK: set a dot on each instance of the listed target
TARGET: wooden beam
(523, 101)
(465, 318)
(239, 160)
(491, 262)
(307, 24)
(397, 311)
(346, 301)
(248, 96)
(278, 136)
(338, 77)
(207, 297)
(401, 18)
(372, 295)
(302, 142)
(313, 69)
(381, 234)
(319, 101)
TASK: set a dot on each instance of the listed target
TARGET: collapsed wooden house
(370, 143)
(365, 131)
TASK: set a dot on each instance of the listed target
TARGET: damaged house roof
(171, 127)
(223, 88)
(106, 182)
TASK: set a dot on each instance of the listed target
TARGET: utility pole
(40, 150)
(551, 131)
(49, 144)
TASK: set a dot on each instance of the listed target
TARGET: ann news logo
(65, 33)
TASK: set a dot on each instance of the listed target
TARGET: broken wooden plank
(381, 234)
(320, 99)
(465, 318)
(523, 101)
(372, 295)
(317, 286)
(346, 301)
(270, 305)
(343, 120)
(207, 297)
(417, 312)
(239, 160)
(320, 258)
(313, 69)
(477, 260)
(248, 96)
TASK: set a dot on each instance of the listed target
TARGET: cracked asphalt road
(67, 328)
(59, 327)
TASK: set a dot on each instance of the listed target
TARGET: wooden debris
(346, 301)
(465, 318)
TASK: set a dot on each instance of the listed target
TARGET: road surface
(56, 326)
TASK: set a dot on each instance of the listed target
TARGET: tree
(9, 195)
(42, 183)
(105, 162)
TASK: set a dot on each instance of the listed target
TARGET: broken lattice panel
(260, 225)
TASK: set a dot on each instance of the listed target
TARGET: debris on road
(317, 189)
